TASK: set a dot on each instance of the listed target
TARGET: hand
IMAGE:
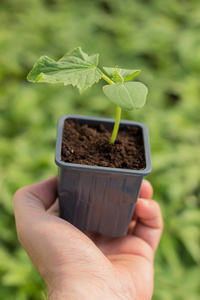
(75, 265)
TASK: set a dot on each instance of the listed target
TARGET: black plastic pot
(99, 199)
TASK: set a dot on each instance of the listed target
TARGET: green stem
(116, 126)
(106, 78)
(118, 114)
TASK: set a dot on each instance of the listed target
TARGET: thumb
(30, 205)
(41, 195)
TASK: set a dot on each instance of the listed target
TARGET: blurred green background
(160, 37)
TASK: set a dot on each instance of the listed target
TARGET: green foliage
(162, 40)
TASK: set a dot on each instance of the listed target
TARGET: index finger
(149, 224)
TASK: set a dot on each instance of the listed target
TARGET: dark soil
(89, 145)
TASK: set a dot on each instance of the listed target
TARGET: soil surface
(89, 145)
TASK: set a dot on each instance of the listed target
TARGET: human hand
(88, 266)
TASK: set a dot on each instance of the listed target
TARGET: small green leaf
(117, 78)
(128, 75)
(127, 95)
(124, 73)
(76, 68)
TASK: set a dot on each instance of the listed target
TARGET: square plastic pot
(94, 198)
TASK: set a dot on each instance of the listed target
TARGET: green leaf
(75, 67)
(117, 78)
(127, 95)
(124, 73)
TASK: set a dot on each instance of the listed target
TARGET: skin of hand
(77, 265)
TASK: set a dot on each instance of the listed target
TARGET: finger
(146, 191)
(132, 225)
(149, 222)
(126, 245)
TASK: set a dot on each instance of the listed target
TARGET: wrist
(76, 292)
(87, 289)
(75, 288)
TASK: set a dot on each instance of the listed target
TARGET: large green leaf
(127, 95)
(76, 68)
(124, 73)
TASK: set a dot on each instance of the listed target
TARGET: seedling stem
(106, 78)
(116, 126)
(118, 114)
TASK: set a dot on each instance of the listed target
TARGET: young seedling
(80, 70)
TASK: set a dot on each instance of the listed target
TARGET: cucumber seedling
(79, 69)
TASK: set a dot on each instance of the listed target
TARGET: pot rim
(72, 166)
